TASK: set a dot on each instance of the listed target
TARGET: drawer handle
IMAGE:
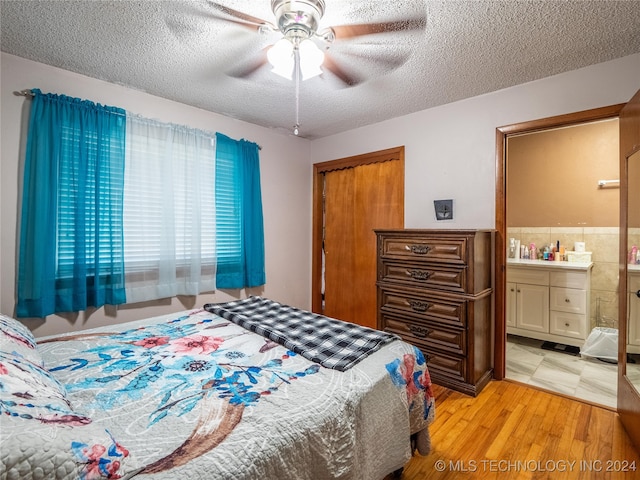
(419, 306)
(567, 300)
(418, 249)
(419, 274)
(418, 331)
(567, 324)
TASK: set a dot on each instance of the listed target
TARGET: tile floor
(588, 379)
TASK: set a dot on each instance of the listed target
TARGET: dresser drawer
(531, 276)
(427, 335)
(431, 276)
(568, 300)
(426, 308)
(569, 279)
(568, 325)
(451, 251)
(443, 367)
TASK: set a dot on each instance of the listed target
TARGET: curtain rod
(24, 93)
(29, 94)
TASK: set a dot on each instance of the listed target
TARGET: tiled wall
(602, 242)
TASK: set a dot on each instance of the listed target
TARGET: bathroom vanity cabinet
(633, 330)
(549, 300)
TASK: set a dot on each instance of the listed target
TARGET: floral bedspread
(192, 395)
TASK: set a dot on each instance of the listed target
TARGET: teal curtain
(239, 220)
(71, 235)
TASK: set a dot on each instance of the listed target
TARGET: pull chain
(296, 69)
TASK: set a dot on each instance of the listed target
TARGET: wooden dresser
(435, 290)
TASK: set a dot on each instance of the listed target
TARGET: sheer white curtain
(169, 210)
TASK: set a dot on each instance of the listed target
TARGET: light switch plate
(444, 209)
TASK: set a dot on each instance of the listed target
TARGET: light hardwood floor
(511, 431)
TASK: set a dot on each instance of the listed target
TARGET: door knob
(638, 294)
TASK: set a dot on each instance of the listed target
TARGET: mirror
(633, 270)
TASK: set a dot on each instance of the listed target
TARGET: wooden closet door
(357, 201)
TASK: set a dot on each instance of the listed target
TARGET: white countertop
(633, 268)
(516, 262)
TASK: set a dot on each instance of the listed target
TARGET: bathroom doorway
(540, 161)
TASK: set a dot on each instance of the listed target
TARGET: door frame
(395, 153)
(500, 261)
(628, 395)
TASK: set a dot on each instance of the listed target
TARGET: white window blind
(169, 210)
(228, 218)
(85, 187)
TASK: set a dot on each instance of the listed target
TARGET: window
(169, 210)
(117, 207)
(229, 228)
(89, 194)
(71, 254)
(240, 232)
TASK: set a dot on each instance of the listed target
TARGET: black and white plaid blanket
(327, 341)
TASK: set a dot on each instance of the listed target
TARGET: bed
(245, 390)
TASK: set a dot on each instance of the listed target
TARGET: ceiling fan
(298, 21)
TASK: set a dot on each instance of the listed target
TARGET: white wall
(286, 192)
(449, 153)
(450, 150)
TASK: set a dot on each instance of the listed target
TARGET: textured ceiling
(181, 51)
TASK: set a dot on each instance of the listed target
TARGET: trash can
(602, 343)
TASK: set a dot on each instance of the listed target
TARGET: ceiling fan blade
(388, 61)
(357, 30)
(189, 19)
(243, 19)
(347, 78)
(250, 66)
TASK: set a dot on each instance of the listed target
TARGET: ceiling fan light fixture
(311, 58)
(281, 58)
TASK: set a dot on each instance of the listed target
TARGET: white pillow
(43, 436)
(18, 339)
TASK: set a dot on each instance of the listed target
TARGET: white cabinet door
(532, 307)
(633, 330)
(511, 304)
